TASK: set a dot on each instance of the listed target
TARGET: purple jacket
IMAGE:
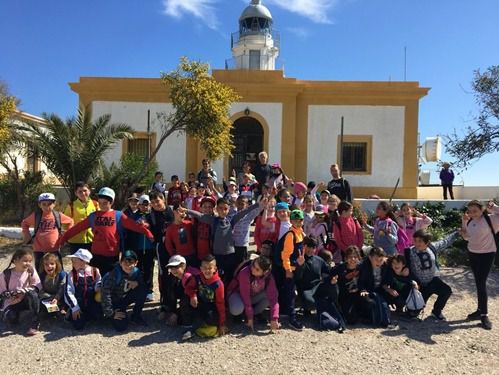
(247, 285)
(446, 176)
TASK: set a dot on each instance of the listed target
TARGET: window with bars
(138, 147)
(354, 157)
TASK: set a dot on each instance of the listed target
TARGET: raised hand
(301, 258)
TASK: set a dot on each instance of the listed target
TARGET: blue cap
(281, 206)
(130, 254)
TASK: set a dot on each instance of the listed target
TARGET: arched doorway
(248, 142)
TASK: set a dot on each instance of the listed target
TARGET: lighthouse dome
(255, 10)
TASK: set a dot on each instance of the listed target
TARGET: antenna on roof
(405, 63)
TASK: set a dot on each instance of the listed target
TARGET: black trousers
(103, 263)
(146, 266)
(480, 266)
(441, 289)
(136, 296)
(448, 187)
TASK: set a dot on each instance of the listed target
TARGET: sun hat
(82, 254)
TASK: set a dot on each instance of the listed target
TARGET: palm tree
(73, 149)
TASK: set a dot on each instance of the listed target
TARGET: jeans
(136, 296)
(480, 266)
(259, 303)
(90, 311)
(226, 265)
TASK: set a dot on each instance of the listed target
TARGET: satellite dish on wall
(432, 149)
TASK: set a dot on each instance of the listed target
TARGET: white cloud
(202, 9)
(316, 10)
(300, 32)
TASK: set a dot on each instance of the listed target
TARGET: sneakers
(295, 324)
(485, 322)
(474, 315)
(187, 335)
(150, 297)
(33, 330)
(137, 319)
(440, 317)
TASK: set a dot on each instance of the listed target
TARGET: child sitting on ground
(373, 287)
(177, 309)
(400, 281)
(207, 300)
(19, 286)
(252, 290)
(53, 280)
(83, 285)
(349, 294)
(120, 288)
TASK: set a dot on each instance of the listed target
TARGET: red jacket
(197, 285)
(349, 234)
(178, 239)
(106, 240)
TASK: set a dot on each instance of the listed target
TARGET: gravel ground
(427, 347)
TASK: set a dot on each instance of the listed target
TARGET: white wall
(171, 157)
(467, 193)
(384, 123)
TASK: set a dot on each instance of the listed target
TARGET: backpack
(403, 241)
(119, 226)
(414, 303)
(276, 253)
(380, 314)
(38, 219)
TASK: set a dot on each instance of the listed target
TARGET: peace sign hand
(301, 258)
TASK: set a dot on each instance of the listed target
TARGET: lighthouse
(256, 45)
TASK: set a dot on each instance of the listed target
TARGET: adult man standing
(262, 170)
(339, 186)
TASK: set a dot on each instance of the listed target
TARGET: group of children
(309, 246)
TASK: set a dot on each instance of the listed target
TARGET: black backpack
(276, 254)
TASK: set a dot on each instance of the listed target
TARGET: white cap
(106, 192)
(82, 254)
(46, 197)
(176, 260)
(144, 198)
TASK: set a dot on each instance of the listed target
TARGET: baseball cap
(319, 209)
(129, 254)
(281, 206)
(144, 198)
(46, 197)
(176, 260)
(133, 197)
(208, 199)
(106, 192)
(82, 254)
(296, 215)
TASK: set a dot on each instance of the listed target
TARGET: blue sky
(46, 44)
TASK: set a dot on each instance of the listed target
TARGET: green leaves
(477, 141)
(73, 149)
(201, 106)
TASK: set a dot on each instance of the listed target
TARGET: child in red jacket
(179, 239)
(107, 226)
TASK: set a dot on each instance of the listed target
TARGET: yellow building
(296, 121)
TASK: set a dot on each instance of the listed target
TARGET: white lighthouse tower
(255, 46)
